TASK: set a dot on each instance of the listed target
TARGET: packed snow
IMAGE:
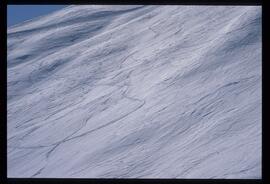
(136, 92)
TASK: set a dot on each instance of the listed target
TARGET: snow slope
(136, 92)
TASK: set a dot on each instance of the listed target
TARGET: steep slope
(136, 92)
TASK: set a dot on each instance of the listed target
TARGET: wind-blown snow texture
(136, 92)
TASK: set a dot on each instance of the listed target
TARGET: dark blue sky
(20, 13)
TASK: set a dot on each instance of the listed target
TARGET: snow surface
(136, 92)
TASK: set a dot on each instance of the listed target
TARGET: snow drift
(136, 92)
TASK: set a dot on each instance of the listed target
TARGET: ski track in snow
(136, 92)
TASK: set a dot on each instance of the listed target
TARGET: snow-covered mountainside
(136, 92)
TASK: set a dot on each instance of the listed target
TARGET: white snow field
(136, 92)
